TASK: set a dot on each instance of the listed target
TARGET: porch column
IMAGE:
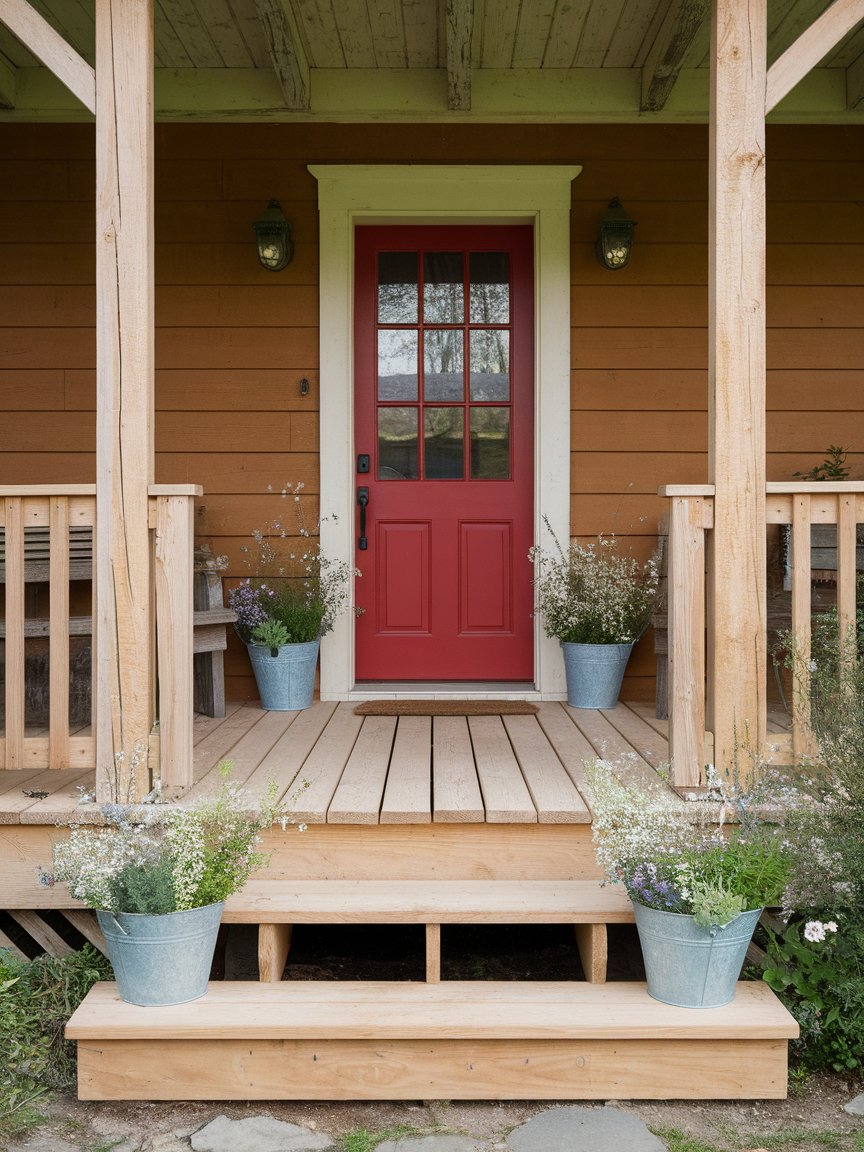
(124, 394)
(736, 406)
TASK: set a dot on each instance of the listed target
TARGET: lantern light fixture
(615, 239)
(273, 236)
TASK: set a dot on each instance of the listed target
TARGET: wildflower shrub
(294, 592)
(816, 964)
(669, 861)
(163, 859)
(591, 594)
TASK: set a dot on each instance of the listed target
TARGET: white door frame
(351, 194)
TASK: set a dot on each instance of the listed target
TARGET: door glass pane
(397, 364)
(397, 288)
(444, 447)
(443, 364)
(490, 364)
(490, 443)
(397, 443)
(443, 289)
(490, 287)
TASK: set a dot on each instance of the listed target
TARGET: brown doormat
(445, 708)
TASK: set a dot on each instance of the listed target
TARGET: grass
(790, 1139)
(37, 997)
(362, 1140)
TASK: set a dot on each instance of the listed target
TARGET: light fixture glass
(273, 234)
(615, 240)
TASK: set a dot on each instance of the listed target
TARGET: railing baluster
(686, 641)
(58, 651)
(846, 574)
(15, 668)
(801, 625)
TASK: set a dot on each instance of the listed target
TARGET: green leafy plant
(159, 859)
(833, 467)
(592, 594)
(670, 862)
(36, 999)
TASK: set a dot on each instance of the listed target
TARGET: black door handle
(363, 501)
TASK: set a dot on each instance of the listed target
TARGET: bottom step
(459, 1040)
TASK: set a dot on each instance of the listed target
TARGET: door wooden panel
(444, 448)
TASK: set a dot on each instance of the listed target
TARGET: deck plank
(623, 758)
(647, 712)
(457, 798)
(284, 762)
(555, 797)
(571, 747)
(505, 793)
(324, 765)
(358, 795)
(218, 744)
(60, 805)
(408, 794)
(639, 734)
(245, 757)
(13, 801)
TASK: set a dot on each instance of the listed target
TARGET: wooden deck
(349, 769)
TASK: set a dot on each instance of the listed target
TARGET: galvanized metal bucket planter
(286, 680)
(163, 959)
(594, 673)
(690, 966)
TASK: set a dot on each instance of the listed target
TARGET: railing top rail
(814, 487)
(685, 490)
(175, 490)
(47, 490)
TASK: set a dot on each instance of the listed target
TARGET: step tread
(451, 1010)
(429, 902)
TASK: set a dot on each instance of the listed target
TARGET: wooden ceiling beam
(8, 84)
(286, 52)
(669, 51)
(47, 45)
(460, 33)
(855, 85)
(812, 45)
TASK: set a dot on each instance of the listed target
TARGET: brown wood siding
(233, 340)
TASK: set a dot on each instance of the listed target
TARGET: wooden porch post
(736, 407)
(124, 404)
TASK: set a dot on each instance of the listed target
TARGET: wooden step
(457, 1040)
(276, 905)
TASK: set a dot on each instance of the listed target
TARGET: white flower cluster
(815, 931)
(592, 594)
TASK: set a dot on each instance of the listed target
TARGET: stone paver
(257, 1134)
(434, 1143)
(583, 1130)
(855, 1107)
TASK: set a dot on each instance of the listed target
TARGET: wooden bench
(276, 905)
(210, 617)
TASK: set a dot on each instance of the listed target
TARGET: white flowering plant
(294, 592)
(159, 858)
(665, 859)
(592, 594)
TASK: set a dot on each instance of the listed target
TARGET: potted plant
(597, 603)
(158, 876)
(697, 892)
(289, 600)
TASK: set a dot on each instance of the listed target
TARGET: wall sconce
(615, 240)
(273, 234)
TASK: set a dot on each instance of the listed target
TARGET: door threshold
(444, 690)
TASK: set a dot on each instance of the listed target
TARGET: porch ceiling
(414, 60)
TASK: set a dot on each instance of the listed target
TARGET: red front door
(443, 455)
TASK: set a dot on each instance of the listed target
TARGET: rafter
(460, 31)
(286, 52)
(812, 45)
(669, 51)
(8, 84)
(855, 85)
(47, 45)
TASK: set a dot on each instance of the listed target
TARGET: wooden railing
(48, 534)
(690, 523)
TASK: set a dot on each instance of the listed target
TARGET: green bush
(37, 997)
